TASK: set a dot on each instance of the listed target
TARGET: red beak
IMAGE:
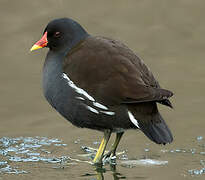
(41, 43)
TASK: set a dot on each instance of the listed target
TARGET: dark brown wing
(111, 73)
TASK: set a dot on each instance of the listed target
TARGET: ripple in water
(198, 150)
(27, 149)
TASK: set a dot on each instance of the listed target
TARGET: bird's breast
(57, 92)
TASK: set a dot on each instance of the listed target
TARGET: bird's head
(60, 34)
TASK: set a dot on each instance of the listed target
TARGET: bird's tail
(157, 130)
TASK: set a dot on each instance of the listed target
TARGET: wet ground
(37, 143)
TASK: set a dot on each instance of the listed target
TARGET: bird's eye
(57, 34)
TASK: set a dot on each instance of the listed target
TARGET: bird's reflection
(100, 171)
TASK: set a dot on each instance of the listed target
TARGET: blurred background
(167, 35)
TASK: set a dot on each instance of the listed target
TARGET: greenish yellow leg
(116, 143)
(101, 150)
(112, 152)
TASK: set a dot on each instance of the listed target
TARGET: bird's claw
(109, 157)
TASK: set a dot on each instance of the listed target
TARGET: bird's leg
(113, 149)
(101, 150)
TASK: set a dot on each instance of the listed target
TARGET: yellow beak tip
(35, 47)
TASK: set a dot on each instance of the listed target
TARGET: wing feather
(109, 71)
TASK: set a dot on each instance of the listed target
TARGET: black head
(64, 33)
(61, 35)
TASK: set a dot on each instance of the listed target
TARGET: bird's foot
(110, 157)
(108, 154)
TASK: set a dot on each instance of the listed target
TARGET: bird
(99, 83)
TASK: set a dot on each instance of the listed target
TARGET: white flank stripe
(132, 118)
(108, 112)
(77, 89)
(92, 109)
(96, 104)
(81, 98)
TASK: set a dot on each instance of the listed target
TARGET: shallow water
(37, 143)
(17, 154)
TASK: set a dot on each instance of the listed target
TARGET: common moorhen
(99, 83)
